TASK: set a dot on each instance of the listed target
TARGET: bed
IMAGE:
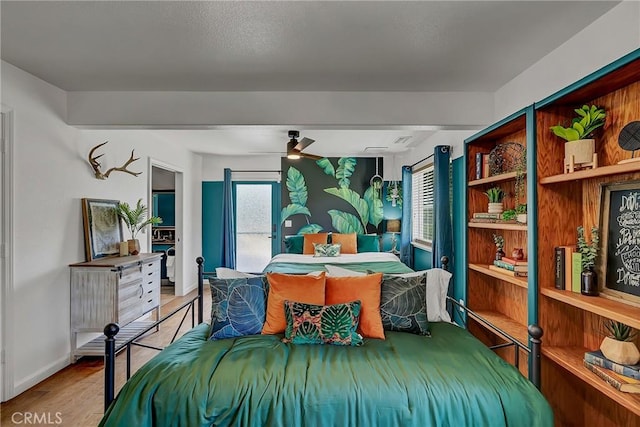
(447, 378)
(384, 262)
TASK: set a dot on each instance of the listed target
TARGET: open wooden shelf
(508, 325)
(593, 173)
(498, 226)
(484, 269)
(570, 358)
(493, 179)
(601, 306)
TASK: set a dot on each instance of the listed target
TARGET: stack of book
(490, 218)
(510, 266)
(624, 378)
(568, 267)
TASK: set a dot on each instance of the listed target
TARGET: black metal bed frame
(112, 329)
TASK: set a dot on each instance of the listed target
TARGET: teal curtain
(443, 230)
(406, 251)
(228, 226)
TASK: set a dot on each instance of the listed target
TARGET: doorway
(166, 238)
(257, 234)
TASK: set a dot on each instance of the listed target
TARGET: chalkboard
(621, 236)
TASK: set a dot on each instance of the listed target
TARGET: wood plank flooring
(74, 396)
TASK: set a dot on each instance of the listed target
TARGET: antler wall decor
(96, 166)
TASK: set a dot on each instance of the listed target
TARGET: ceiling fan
(295, 147)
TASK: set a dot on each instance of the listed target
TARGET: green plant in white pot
(495, 196)
(580, 148)
(618, 345)
(135, 220)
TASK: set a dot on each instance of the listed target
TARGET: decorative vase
(134, 246)
(623, 352)
(582, 151)
(499, 254)
(521, 218)
(496, 208)
(589, 282)
(517, 254)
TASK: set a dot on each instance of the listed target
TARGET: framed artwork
(620, 244)
(102, 228)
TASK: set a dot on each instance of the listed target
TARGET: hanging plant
(394, 194)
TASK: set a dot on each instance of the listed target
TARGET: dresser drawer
(130, 297)
(150, 267)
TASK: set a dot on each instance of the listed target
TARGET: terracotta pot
(582, 150)
(623, 352)
(496, 208)
(134, 246)
(517, 254)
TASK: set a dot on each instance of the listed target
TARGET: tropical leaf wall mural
(330, 194)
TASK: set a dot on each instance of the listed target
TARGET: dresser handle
(149, 274)
(150, 300)
(141, 291)
(150, 290)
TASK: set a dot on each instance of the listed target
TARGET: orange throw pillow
(309, 240)
(349, 242)
(340, 290)
(292, 287)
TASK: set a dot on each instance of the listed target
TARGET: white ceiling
(286, 46)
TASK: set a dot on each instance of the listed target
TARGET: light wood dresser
(116, 289)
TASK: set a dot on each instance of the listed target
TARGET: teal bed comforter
(449, 379)
(363, 262)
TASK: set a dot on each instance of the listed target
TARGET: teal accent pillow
(322, 324)
(294, 244)
(403, 304)
(326, 249)
(238, 306)
(368, 243)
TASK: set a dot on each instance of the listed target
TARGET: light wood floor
(76, 393)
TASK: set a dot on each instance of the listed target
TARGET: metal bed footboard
(112, 329)
(535, 335)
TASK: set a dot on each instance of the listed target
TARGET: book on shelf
(576, 270)
(617, 381)
(597, 358)
(479, 165)
(485, 165)
(487, 215)
(513, 261)
(510, 267)
(508, 272)
(563, 266)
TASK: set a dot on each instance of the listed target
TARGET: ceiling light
(293, 156)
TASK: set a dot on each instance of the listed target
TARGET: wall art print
(330, 194)
(102, 228)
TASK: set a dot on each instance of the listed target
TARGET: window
(422, 211)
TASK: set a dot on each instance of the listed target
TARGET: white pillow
(334, 271)
(228, 273)
(437, 283)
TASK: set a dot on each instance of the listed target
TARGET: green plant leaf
(310, 229)
(346, 166)
(326, 166)
(571, 134)
(293, 209)
(353, 198)
(376, 210)
(297, 187)
(345, 222)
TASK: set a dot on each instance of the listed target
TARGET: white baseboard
(41, 375)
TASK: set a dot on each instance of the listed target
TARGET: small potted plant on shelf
(134, 218)
(580, 148)
(499, 241)
(589, 253)
(495, 196)
(618, 345)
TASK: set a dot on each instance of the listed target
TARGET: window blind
(422, 211)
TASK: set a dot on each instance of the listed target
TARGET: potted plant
(618, 346)
(134, 218)
(579, 145)
(589, 253)
(521, 213)
(495, 196)
(499, 241)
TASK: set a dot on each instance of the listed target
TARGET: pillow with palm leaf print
(322, 324)
(403, 304)
(238, 306)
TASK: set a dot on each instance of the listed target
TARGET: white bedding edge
(342, 259)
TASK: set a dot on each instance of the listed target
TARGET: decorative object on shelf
(517, 254)
(135, 220)
(495, 196)
(102, 228)
(618, 345)
(589, 253)
(629, 140)
(521, 213)
(93, 161)
(499, 241)
(504, 158)
(620, 260)
(580, 149)
(393, 226)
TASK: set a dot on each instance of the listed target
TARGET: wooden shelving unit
(573, 323)
(510, 326)
(484, 269)
(510, 176)
(498, 226)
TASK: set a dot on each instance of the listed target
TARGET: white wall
(51, 175)
(213, 166)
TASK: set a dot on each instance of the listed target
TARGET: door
(257, 236)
